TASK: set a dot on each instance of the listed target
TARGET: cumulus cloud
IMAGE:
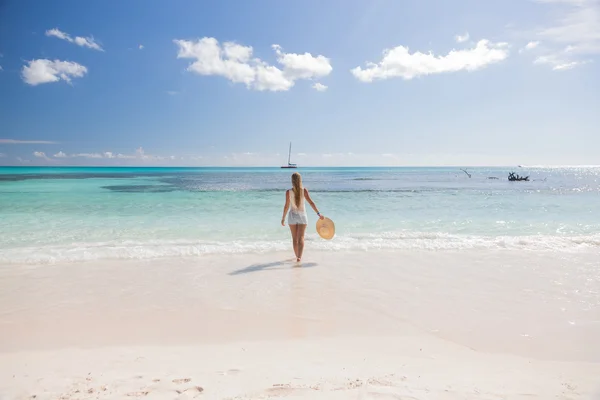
(62, 154)
(15, 141)
(41, 154)
(399, 62)
(125, 156)
(141, 47)
(236, 63)
(47, 71)
(302, 66)
(139, 154)
(319, 87)
(573, 38)
(88, 155)
(88, 42)
(462, 38)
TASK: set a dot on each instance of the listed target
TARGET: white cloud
(59, 34)
(302, 66)
(212, 60)
(319, 87)
(141, 47)
(574, 37)
(139, 154)
(558, 63)
(87, 155)
(1, 69)
(2, 155)
(530, 46)
(172, 92)
(46, 71)
(41, 154)
(568, 65)
(125, 156)
(88, 42)
(15, 141)
(61, 154)
(399, 62)
(235, 63)
(271, 78)
(462, 38)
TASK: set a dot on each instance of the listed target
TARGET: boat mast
(290, 153)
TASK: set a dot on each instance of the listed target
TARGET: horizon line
(312, 166)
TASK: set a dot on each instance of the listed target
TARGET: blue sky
(414, 82)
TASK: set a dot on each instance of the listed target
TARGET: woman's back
(293, 198)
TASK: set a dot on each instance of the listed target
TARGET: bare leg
(293, 229)
(300, 239)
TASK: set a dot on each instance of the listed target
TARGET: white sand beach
(343, 325)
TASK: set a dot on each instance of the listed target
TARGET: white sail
(289, 163)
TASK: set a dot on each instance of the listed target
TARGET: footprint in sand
(232, 371)
(138, 394)
(193, 390)
(389, 396)
(285, 389)
(181, 380)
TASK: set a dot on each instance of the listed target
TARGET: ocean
(52, 214)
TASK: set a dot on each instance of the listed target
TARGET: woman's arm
(312, 203)
(285, 207)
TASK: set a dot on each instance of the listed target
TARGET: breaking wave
(418, 241)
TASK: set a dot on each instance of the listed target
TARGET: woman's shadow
(273, 265)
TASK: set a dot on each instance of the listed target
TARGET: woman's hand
(282, 221)
(321, 217)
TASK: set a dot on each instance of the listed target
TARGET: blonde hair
(297, 188)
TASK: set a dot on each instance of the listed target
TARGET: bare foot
(298, 259)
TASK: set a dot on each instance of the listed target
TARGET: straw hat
(325, 228)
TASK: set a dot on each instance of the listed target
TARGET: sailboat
(289, 164)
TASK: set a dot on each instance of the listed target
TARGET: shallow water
(71, 214)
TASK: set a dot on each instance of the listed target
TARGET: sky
(348, 82)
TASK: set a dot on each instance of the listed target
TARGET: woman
(297, 219)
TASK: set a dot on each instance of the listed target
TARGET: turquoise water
(72, 214)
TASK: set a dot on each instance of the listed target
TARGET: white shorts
(297, 218)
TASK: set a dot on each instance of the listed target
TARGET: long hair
(297, 188)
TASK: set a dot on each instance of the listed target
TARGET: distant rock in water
(516, 177)
(492, 177)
